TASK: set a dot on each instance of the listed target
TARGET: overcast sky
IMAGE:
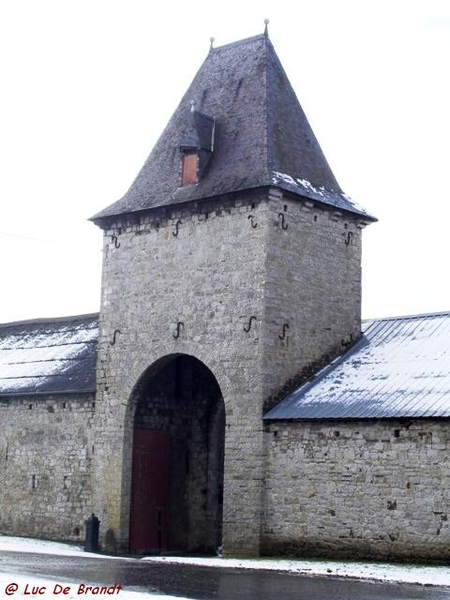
(87, 86)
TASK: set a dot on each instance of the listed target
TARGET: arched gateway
(178, 456)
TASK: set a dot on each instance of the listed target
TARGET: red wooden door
(149, 520)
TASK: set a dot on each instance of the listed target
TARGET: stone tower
(231, 270)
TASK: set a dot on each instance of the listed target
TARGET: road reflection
(208, 583)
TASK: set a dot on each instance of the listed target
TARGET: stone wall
(376, 489)
(313, 288)
(45, 458)
(234, 278)
(202, 266)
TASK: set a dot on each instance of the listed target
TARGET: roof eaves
(192, 200)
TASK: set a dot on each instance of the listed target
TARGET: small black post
(92, 527)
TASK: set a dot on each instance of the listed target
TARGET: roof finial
(266, 31)
(211, 39)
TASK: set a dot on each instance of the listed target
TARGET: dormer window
(196, 147)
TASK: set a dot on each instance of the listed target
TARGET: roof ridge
(266, 102)
(409, 317)
(46, 394)
(247, 40)
(41, 321)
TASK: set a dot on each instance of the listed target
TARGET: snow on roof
(336, 199)
(48, 356)
(399, 368)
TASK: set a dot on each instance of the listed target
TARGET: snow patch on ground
(19, 544)
(385, 572)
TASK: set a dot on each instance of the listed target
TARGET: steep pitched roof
(48, 356)
(262, 137)
(399, 368)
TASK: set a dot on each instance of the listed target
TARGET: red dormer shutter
(189, 168)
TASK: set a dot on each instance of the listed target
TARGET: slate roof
(262, 137)
(399, 368)
(48, 356)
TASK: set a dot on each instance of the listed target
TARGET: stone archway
(177, 459)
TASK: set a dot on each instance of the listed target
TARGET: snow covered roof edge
(399, 368)
(49, 356)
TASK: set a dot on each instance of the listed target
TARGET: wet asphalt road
(206, 583)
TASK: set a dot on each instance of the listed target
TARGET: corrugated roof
(48, 356)
(262, 137)
(399, 368)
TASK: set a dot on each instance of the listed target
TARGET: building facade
(231, 275)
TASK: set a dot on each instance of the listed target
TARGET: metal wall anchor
(249, 326)
(116, 242)
(252, 221)
(281, 218)
(177, 228)
(177, 334)
(285, 328)
(348, 341)
(116, 331)
(348, 238)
